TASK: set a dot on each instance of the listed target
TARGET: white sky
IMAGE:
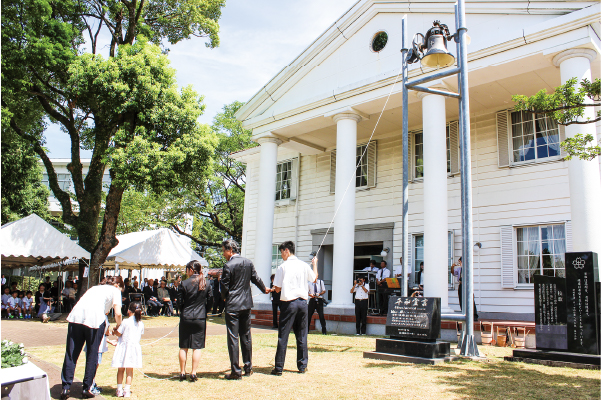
(258, 38)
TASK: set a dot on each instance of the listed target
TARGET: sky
(258, 38)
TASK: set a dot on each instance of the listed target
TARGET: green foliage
(581, 146)
(13, 354)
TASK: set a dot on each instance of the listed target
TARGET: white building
(316, 115)
(65, 182)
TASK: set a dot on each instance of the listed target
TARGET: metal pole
(404, 69)
(468, 345)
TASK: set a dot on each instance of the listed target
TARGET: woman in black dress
(192, 301)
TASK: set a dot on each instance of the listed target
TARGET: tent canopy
(160, 248)
(32, 241)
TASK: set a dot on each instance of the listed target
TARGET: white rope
(353, 177)
(163, 337)
(156, 379)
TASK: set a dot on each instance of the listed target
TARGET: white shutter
(454, 143)
(333, 171)
(562, 137)
(294, 181)
(508, 267)
(371, 164)
(503, 135)
(411, 151)
(568, 229)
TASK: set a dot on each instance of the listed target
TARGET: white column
(585, 181)
(344, 223)
(265, 210)
(435, 199)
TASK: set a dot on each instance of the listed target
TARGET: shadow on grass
(384, 365)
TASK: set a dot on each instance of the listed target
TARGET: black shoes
(248, 372)
(65, 394)
(276, 372)
(86, 394)
(233, 377)
(193, 378)
(302, 371)
(182, 377)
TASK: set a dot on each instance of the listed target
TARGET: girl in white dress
(128, 353)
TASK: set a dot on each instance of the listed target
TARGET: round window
(379, 41)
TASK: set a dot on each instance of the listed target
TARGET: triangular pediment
(341, 59)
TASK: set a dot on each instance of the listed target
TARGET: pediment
(341, 59)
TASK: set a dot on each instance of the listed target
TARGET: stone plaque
(550, 313)
(582, 271)
(414, 318)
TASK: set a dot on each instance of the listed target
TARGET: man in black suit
(152, 299)
(238, 273)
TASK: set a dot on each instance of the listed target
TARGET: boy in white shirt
(5, 299)
(13, 306)
(27, 305)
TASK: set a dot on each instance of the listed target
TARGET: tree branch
(590, 121)
(197, 240)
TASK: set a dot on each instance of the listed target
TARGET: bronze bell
(437, 55)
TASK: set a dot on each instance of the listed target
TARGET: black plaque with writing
(582, 270)
(414, 318)
(550, 313)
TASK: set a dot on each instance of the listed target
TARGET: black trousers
(383, 302)
(77, 336)
(218, 304)
(154, 306)
(274, 309)
(361, 316)
(293, 317)
(460, 295)
(316, 304)
(238, 326)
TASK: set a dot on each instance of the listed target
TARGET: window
(64, 182)
(418, 250)
(533, 136)
(361, 172)
(419, 155)
(448, 130)
(283, 181)
(540, 249)
(276, 258)
(379, 41)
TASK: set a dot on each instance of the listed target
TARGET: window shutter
(503, 136)
(333, 171)
(371, 164)
(562, 137)
(294, 181)
(568, 229)
(508, 271)
(454, 142)
(411, 151)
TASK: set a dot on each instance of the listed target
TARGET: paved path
(35, 334)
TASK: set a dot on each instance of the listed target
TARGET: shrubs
(13, 354)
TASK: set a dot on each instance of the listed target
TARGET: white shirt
(27, 302)
(320, 288)
(94, 305)
(370, 269)
(69, 292)
(398, 270)
(383, 274)
(457, 272)
(3, 281)
(292, 277)
(5, 298)
(13, 302)
(361, 294)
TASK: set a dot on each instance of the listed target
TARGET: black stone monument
(413, 324)
(567, 312)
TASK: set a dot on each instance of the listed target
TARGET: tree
(22, 190)
(125, 108)
(567, 106)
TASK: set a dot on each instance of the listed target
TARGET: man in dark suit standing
(238, 273)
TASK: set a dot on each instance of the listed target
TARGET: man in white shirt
(291, 280)
(398, 269)
(316, 292)
(361, 290)
(372, 267)
(381, 276)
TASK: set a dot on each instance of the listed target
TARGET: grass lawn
(337, 369)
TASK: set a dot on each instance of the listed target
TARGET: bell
(437, 55)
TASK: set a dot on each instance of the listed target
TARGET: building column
(265, 209)
(344, 223)
(585, 181)
(436, 226)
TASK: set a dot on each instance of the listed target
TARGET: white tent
(161, 248)
(32, 241)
